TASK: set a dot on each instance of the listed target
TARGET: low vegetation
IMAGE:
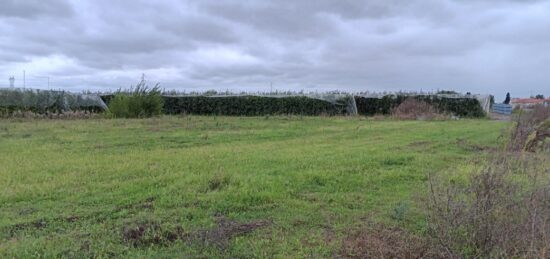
(240, 187)
(496, 207)
(412, 109)
(500, 210)
(288, 186)
(530, 129)
(252, 106)
(458, 106)
(138, 102)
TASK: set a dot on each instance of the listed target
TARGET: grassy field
(218, 186)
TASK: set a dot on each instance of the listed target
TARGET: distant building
(12, 81)
(529, 103)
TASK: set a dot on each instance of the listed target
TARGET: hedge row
(247, 105)
(250, 105)
(260, 105)
(464, 107)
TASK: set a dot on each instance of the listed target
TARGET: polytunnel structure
(37, 100)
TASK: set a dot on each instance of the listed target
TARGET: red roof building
(529, 102)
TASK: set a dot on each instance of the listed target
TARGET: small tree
(539, 96)
(507, 100)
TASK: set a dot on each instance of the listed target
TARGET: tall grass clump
(138, 102)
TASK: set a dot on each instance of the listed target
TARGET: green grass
(71, 188)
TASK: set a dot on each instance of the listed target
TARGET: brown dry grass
(412, 109)
(526, 124)
(502, 210)
(379, 241)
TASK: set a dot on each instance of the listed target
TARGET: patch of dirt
(380, 241)
(14, 229)
(27, 211)
(329, 235)
(151, 233)
(143, 234)
(299, 222)
(36, 225)
(72, 218)
(472, 147)
(420, 144)
(226, 230)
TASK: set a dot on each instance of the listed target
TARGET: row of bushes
(244, 105)
(463, 107)
(303, 105)
(250, 105)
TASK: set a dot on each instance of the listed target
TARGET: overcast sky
(481, 46)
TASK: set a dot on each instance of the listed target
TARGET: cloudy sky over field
(485, 46)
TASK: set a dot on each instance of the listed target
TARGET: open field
(218, 186)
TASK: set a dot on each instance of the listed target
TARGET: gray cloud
(32, 9)
(489, 46)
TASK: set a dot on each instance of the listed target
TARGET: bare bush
(412, 109)
(538, 139)
(526, 125)
(541, 113)
(501, 210)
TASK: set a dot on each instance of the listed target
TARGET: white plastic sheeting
(48, 99)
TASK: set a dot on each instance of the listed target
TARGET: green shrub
(250, 105)
(464, 107)
(139, 102)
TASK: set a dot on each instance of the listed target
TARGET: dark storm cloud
(478, 46)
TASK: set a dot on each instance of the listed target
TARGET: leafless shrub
(501, 210)
(541, 113)
(412, 109)
(537, 141)
(526, 124)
